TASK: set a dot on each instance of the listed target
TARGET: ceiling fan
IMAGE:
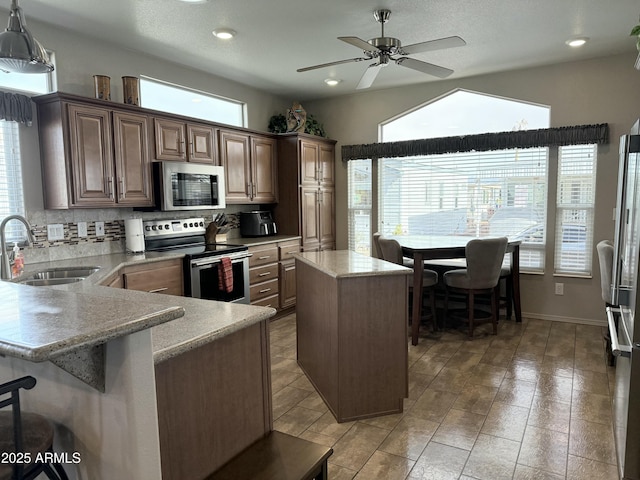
(384, 49)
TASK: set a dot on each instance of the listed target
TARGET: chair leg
(446, 309)
(495, 295)
(509, 294)
(432, 299)
(471, 307)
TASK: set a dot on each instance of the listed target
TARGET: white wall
(604, 90)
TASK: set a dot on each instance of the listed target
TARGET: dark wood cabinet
(306, 175)
(93, 156)
(185, 142)
(250, 167)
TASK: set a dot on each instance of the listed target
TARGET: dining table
(433, 247)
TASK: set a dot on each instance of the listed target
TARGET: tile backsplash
(113, 240)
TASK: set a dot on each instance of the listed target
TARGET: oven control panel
(179, 227)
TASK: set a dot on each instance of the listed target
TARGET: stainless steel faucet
(5, 265)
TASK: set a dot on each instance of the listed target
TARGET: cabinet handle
(157, 290)
(121, 192)
(265, 290)
(248, 190)
(110, 186)
(264, 257)
(181, 147)
(264, 274)
(254, 190)
(291, 252)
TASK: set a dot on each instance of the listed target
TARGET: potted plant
(635, 32)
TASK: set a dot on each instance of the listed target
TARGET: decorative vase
(103, 87)
(131, 90)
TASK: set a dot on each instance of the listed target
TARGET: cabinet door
(170, 140)
(327, 165)
(310, 217)
(133, 167)
(263, 170)
(287, 284)
(202, 144)
(91, 156)
(309, 162)
(234, 157)
(164, 277)
(326, 209)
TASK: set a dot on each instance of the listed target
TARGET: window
(170, 98)
(360, 195)
(11, 195)
(574, 209)
(476, 193)
(27, 82)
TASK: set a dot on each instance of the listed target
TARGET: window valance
(15, 108)
(544, 137)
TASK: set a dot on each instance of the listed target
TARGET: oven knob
(202, 224)
(185, 225)
(191, 224)
(147, 228)
(166, 226)
(159, 227)
(153, 227)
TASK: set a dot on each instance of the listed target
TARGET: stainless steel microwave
(188, 186)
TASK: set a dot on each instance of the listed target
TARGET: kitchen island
(163, 358)
(351, 320)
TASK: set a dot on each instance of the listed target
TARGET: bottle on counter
(18, 261)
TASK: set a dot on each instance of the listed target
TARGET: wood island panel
(352, 332)
(213, 402)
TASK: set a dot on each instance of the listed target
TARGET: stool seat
(37, 435)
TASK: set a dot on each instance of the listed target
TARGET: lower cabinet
(157, 277)
(272, 274)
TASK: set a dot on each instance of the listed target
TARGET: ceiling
(276, 37)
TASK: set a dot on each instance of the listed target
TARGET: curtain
(15, 108)
(544, 137)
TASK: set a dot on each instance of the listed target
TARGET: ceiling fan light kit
(20, 52)
(383, 49)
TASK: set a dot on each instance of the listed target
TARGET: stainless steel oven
(203, 264)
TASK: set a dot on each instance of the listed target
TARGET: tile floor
(532, 402)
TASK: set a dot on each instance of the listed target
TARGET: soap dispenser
(18, 261)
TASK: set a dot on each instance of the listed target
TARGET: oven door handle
(202, 262)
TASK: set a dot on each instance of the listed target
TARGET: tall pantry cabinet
(306, 207)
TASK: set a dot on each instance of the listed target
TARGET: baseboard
(556, 318)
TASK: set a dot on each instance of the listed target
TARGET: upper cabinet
(93, 155)
(250, 167)
(185, 142)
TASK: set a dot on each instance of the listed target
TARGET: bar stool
(27, 436)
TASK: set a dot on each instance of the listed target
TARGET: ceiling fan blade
(424, 67)
(369, 76)
(358, 42)
(448, 42)
(339, 62)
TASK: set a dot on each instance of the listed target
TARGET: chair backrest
(484, 261)
(375, 250)
(605, 257)
(390, 250)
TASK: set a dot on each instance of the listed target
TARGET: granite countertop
(64, 317)
(346, 263)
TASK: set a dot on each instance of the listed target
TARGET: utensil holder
(102, 87)
(131, 90)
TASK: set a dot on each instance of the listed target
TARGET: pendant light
(19, 51)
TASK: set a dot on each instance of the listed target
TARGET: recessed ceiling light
(577, 41)
(224, 33)
(194, 1)
(332, 82)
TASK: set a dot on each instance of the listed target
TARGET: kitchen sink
(45, 282)
(64, 273)
(57, 276)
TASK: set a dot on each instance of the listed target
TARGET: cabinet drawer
(264, 289)
(271, 301)
(167, 280)
(287, 250)
(263, 256)
(262, 274)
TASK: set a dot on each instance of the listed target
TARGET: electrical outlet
(82, 229)
(559, 288)
(99, 229)
(55, 231)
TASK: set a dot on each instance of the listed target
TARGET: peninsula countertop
(346, 263)
(40, 323)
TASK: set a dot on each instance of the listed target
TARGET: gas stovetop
(183, 235)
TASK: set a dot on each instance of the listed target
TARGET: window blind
(574, 209)
(359, 208)
(11, 197)
(492, 193)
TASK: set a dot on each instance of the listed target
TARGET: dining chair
(27, 436)
(481, 277)
(605, 259)
(391, 251)
(376, 245)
